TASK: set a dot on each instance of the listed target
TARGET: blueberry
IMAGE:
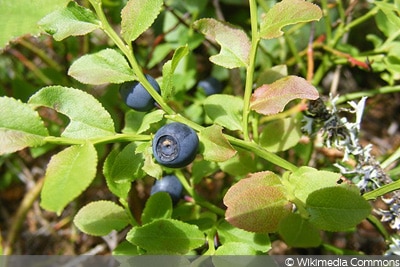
(136, 96)
(175, 145)
(169, 184)
(210, 86)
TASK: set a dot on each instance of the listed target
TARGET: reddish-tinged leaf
(272, 98)
(257, 203)
(235, 45)
(287, 12)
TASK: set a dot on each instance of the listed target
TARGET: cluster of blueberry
(175, 144)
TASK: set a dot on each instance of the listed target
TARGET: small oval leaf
(272, 98)
(286, 13)
(68, 174)
(88, 118)
(336, 208)
(158, 206)
(20, 126)
(281, 134)
(225, 110)
(138, 16)
(216, 147)
(73, 20)
(235, 45)
(99, 218)
(166, 236)
(105, 66)
(299, 232)
(257, 203)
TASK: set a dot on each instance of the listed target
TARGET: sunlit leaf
(105, 66)
(166, 236)
(336, 208)
(225, 110)
(138, 16)
(285, 13)
(21, 17)
(20, 126)
(99, 218)
(88, 118)
(72, 20)
(257, 203)
(272, 98)
(216, 147)
(235, 44)
(68, 174)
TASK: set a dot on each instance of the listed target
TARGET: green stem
(255, 39)
(246, 144)
(260, 151)
(327, 16)
(100, 140)
(128, 52)
(395, 156)
(341, 31)
(356, 95)
(387, 188)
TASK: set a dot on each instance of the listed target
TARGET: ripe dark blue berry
(136, 96)
(210, 86)
(169, 184)
(175, 145)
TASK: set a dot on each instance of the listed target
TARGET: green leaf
(127, 165)
(306, 180)
(125, 248)
(257, 203)
(88, 118)
(336, 208)
(299, 232)
(68, 174)
(272, 98)
(138, 16)
(99, 218)
(73, 20)
(281, 134)
(167, 86)
(121, 190)
(139, 122)
(20, 126)
(166, 236)
(225, 110)
(105, 66)
(150, 167)
(158, 206)
(241, 164)
(237, 249)
(286, 13)
(21, 17)
(229, 234)
(235, 45)
(216, 147)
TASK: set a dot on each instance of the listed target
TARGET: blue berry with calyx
(136, 96)
(175, 145)
(210, 86)
(169, 184)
